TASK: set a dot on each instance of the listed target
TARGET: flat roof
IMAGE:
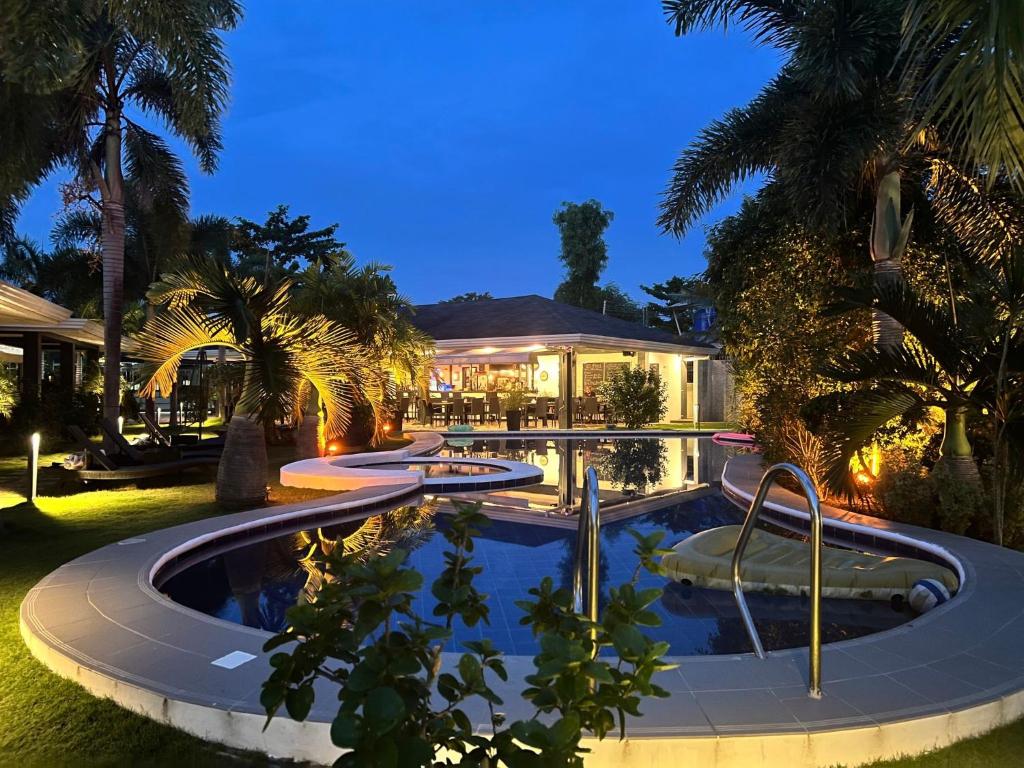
(537, 318)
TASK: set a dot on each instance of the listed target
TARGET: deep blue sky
(443, 134)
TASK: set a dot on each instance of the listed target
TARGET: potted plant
(512, 401)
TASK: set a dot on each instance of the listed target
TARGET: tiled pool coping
(952, 673)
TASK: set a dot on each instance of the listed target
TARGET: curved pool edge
(98, 621)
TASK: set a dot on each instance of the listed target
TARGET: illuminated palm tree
(366, 300)
(286, 358)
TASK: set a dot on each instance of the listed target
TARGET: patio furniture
(493, 407)
(477, 409)
(591, 409)
(187, 444)
(113, 469)
(458, 411)
(539, 412)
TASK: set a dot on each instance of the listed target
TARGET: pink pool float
(734, 439)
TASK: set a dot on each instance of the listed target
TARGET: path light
(333, 448)
(33, 466)
(120, 425)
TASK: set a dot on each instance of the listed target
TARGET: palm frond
(857, 416)
(156, 173)
(168, 336)
(728, 151)
(968, 56)
(769, 21)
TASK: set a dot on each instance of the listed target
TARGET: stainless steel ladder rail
(814, 510)
(588, 549)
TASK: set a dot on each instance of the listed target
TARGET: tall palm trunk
(308, 444)
(112, 245)
(955, 452)
(889, 234)
(242, 473)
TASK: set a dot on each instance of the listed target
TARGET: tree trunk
(222, 389)
(889, 233)
(955, 452)
(112, 244)
(308, 444)
(242, 472)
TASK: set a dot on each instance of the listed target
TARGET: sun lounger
(121, 469)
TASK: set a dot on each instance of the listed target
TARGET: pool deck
(952, 673)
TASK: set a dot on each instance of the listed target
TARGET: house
(45, 340)
(561, 351)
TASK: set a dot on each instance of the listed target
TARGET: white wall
(547, 364)
(670, 368)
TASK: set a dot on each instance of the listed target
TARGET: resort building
(565, 353)
(45, 340)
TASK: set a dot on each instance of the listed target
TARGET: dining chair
(458, 411)
(476, 409)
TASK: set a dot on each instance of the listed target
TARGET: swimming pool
(255, 583)
(628, 468)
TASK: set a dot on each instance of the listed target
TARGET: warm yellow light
(120, 425)
(387, 428)
(333, 448)
(488, 350)
(34, 466)
(535, 348)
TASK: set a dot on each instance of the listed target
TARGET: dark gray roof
(531, 316)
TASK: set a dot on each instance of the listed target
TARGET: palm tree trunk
(889, 232)
(242, 472)
(307, 439)
(112, 246)
(955, 452)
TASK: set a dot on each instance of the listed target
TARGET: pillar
(31, 365)
(67, 364)
(566, 473)
(566, 386)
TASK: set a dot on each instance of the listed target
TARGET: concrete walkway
(954, 672)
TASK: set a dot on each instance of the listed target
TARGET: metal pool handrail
(588, 548)
(814, 510)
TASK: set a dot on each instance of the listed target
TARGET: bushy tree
(584, 253)
(283, 245)
(635, 397)
(468, 296)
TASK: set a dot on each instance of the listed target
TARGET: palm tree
(366, 300)
(77, 81)
(937, 364)
(830, 125)
(968, 59)
(287, 356)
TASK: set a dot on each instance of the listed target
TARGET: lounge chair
(210, 445)
(122, 469)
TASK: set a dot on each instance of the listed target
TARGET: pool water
(627, 468)
(255, 584)
(438, 469)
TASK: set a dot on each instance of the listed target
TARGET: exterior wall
(717, 393)
(600, 357)
(670, 368)
(547, 364)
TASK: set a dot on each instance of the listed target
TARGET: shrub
(907, 493)
(959, 504)
(398, 706)
(635, 396)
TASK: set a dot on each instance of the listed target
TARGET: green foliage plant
(400, 705)
(635, 397)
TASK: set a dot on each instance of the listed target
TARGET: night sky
(443, 134)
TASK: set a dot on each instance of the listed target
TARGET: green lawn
(681, 425)
(48, 721)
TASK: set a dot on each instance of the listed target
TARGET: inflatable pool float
(460, 442)
(737, 439)
(779, 565)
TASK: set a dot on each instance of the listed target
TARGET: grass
(686, 425)
(49, 721)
